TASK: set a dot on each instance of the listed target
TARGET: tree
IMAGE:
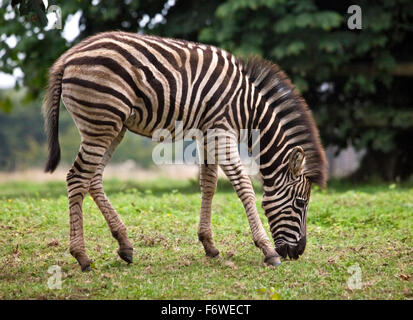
(356, 81)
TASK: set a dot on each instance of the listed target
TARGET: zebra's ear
(296, 161)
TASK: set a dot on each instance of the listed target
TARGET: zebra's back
(160, 81)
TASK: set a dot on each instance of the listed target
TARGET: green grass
(369, 225)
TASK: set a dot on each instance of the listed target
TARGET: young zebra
(116, 81)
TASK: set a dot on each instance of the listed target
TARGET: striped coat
(117, 81)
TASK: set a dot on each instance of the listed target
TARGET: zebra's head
(286, 209)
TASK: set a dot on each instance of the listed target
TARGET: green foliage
(364, 104)
(33, 10)
(17, 134)
(169, 261)
(355, 81)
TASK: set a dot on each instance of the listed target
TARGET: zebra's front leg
(230, 162)
(115, 223)
(208, 182)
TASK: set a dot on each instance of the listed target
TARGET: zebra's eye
(300, 203)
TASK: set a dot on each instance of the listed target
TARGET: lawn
(359, 245)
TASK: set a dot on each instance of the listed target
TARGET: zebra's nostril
(301, 245)
(291, 251)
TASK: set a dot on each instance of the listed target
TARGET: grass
(369, 226)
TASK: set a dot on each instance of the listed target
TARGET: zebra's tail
(51, 103)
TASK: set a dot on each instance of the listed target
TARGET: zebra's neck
(278, 136)
(284, 122)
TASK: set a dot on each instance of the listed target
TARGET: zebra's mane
(271, 81)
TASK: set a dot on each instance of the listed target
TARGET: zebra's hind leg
(78, 182)
(116, 226)
(91, 154)
(208, 182)
(99, 123)
(230, 162)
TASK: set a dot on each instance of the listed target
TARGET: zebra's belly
(135, 124)
(175, 128)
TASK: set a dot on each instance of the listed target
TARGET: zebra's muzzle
(292, 251)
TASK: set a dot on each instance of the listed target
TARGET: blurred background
(358, 82)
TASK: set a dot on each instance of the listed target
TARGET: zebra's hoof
(86, 268)
(273, 261)
(212, 253)
(126, 255)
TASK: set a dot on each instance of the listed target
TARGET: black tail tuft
(54, 152)
(51, 105)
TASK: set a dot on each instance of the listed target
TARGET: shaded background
(357, 82)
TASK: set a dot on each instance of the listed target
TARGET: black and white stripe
(116, 81)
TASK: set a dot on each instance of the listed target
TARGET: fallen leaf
(275, 296)
(230, 254)
(230, 264)
(53, 243)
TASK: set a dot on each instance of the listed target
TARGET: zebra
(117, 81)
